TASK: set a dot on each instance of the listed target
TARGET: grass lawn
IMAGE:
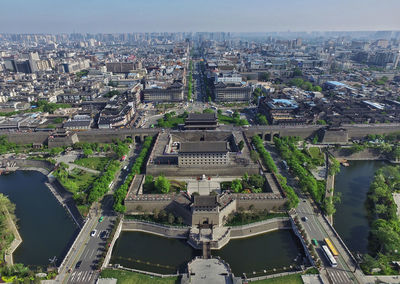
(225, 119)
(315, 153)
(95, 163)
(79, 180)
(171, 122)
(289, 279)
(177, 185)
(127, 277)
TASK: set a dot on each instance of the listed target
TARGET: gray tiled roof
(203, 147)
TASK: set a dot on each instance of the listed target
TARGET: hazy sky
(55, 16)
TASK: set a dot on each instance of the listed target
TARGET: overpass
(267, 132)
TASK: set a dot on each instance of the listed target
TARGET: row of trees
(292, 198)
(101, 185)
(300, 163)
(384, 240)
(247, 184)
(120, 193)
(265, 155)
(45, 106)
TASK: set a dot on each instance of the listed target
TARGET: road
(316, 228)
(92, 250)
(81, 264)
(341, 274)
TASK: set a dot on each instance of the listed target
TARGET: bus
(329, 256)
(331, 247)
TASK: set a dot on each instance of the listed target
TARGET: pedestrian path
(73, 166)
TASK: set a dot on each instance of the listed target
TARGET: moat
(46, 228)
(350, 219)
(149, 252)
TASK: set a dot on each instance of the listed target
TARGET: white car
(93, 233)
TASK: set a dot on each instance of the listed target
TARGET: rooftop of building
(203, 147)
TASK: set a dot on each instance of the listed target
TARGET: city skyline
(100, 16)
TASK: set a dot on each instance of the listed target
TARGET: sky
(101, 16)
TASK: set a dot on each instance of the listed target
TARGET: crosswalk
(82, 277)
(338, 276)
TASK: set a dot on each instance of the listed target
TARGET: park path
(73, 166)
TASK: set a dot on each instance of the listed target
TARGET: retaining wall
(366, 154)
(174, 170)
(238, 232)
(110, 249)
(156, 229)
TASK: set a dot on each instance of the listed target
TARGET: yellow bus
(331, 247)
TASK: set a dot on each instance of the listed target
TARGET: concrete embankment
(8, 258)
(261, 227)
(236, 232)
(156, 229)
(63, 196)
(366, 154)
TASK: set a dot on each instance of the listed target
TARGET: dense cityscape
(200, 157)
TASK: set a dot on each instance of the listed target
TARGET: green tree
(56, 151)
(254, 156)
(162, 184)
(297, 72)
(241, 145)
(265, 76)
(334, 167)
(87, 152)
(171, 218)
(262, 119)
(257, 181)
(236, 185)
(328, 206)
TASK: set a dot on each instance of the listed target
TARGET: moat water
(350, 219)
(45, 227)
(149, 252)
